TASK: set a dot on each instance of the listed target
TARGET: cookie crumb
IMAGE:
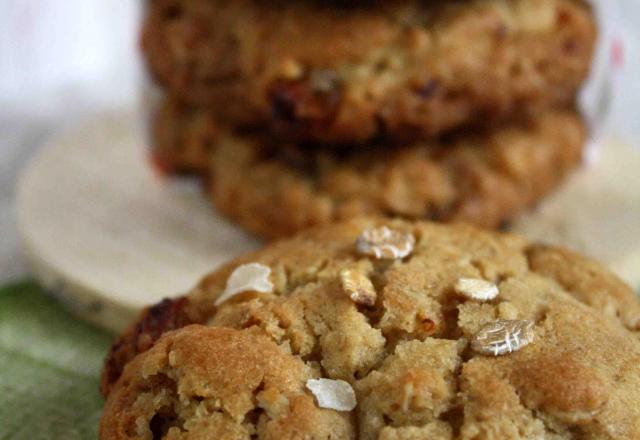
(359, 288)
(247, 278)
(503, 337)
(333, 394)
(476, 289)
(384, 243)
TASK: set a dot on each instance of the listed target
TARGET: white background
(63, 60)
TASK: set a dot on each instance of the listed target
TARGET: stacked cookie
(305, 112)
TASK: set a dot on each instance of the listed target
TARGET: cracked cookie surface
(239, 370)
(317, 71)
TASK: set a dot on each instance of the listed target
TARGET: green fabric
(49, 368)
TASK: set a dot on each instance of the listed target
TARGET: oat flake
(359, 288)
(503, 337)
(477, 289)
(385, 243)
(333, 394)
(252, 277)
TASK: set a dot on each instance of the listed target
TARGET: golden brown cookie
(324, 72)
(275, 189)
(218, 383)
(377, 308)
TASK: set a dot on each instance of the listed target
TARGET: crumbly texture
(324, 72)
(239, 371)
(218, 383)
(274, 189)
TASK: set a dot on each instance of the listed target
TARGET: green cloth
(49, 368)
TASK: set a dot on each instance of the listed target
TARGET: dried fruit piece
(333, 394)
(477, 289)
(252, 277)
(385, 243)
(425, 325)
(503, 337)
(358, 287)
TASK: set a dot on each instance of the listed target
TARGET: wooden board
(596, 212)
(108, 236)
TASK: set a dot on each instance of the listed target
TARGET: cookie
(383, 329)
(182, 137)
(323, 72)
(187, 372)
(486, 178)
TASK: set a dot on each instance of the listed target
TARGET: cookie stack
(306, 112)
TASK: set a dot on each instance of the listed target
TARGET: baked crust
(217, 383)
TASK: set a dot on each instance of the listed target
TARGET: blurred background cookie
(325, 72)
(275, 188)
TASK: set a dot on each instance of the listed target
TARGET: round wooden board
(596, 212)
(107, 235)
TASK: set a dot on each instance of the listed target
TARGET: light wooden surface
(108, 236)
(597, 211)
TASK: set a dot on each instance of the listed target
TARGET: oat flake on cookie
(476, 289)
(384, 243)
(359, 288)
(503, 337)
(333, 394)
(252, 277)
